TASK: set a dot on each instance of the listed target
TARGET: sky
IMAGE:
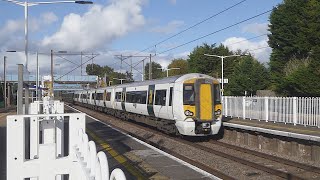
(127, 27)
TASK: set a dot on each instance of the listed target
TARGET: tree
(94, 69)
(109, 73)
(301, 78)
(178, 63)
(294, 27)
(198, 63)
(97, 70)
(156, 71)
(249, 75)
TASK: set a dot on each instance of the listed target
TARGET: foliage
(108, 73)
(303, 79)
(249, 75)
(178, 63)
(199, 63)
(294, 27)
(97, 70)
(156, 71)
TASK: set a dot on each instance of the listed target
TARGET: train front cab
(202, 107)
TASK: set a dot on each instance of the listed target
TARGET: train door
(160, 101)
(170, 95)
(204, 100)
(150, 100)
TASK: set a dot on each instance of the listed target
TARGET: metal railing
(293, 110)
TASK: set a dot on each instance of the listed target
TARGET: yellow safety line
(118, 157)
(5, 114)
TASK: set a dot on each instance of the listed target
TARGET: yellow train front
(200, 98)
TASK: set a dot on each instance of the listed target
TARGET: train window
(170, 97)
(92, 96)
(118, 97)
(108, 97)
(143, 97)
(188, 94)
(217, 96)
(160, 97)
(99, 96)
(129, 97)
(139, 97)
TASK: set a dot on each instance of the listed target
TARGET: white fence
(35, 146)
(293, 110)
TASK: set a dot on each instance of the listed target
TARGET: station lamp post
(168, 70)
(26, 4)
(222, 58)
(121, 80)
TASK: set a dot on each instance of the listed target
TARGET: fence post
(225, 109)
(295, 114)
(266, 108)
(244, 107)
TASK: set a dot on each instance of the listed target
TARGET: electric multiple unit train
(188, 104)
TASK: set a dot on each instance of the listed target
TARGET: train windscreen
(188, 94)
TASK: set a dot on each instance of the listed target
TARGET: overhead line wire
(76, 68)
(193, 26)
(240, 22)
(247, 39)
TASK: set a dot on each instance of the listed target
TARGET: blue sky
(128, 26)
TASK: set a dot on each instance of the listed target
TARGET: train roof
(165, 80)
(170, 79)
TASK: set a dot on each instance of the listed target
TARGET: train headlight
(188, 113)
(218, 112)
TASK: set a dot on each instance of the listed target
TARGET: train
(188, 104)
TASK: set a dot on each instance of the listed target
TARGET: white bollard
(104, 165)
(92, 154)
(117, 174)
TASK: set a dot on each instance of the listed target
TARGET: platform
(280, 129)
(137, 159)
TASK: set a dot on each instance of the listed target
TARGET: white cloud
(258, 49)
(12, 32)
(49, 18)
(97, 27)
(172, 26)
(256, 28)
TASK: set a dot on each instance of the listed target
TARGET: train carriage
(187, 104)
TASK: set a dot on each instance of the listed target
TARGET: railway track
(266, 163)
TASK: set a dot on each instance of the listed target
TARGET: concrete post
(26, 99)
(20, 90)
(5, 82)
(9, 95)
(52, 78)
